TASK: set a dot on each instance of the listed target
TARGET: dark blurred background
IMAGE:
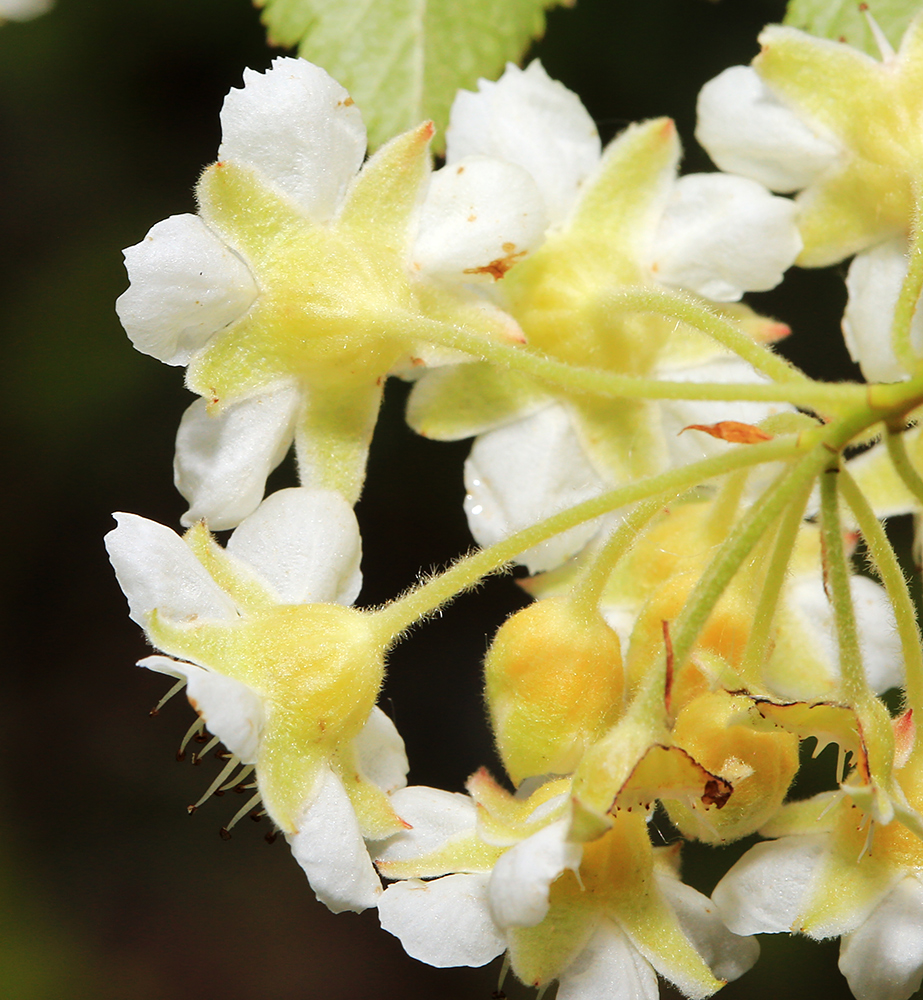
(108, 890)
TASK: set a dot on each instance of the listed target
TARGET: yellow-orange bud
(553, 679)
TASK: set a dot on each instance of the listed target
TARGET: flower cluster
(682, 497)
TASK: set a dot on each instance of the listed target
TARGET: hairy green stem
(586, 594)
(812, 395)
(738, 545)
(697, 314)
(889, 570)
(910, 295)
(836, 576)
(425, 598)
(897, 452)
(755, 653)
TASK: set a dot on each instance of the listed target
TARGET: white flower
(307, 277)
(279, 670)
(602, 918)
(874, 283)
(618, 218)
(881, 951)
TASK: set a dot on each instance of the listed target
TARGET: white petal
(531, 120)
(444, 922)
(435, 817)
(727, 954)
(874, 284)
(232, 711)
(330, 849)
(878, 639)
(300, 129)
(523, 875)
(721, 236)
(883, 959)
(186, 284)
(610, 966)
(765, 891)
(523, 472)
(156, 569)
(305, 543)
(747, 130)
(381, 753)
(23, 10)
(478, 213)
(222, 461)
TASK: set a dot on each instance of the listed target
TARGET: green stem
(883, 402)
(737, 547)
(837, 579)
(421, 601)
(696, 314)
(889, 570)
(897, 452)
(809, 394)
(586, 594)
(755, 653)
(910, 295)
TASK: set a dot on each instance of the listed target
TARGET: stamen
(270, 837)
(504, 970)
(212, 743)
(866, 847)
(884, 46)
(247, 806)
(196, 727)
(217, 783)
(236, 781)
(177, 687)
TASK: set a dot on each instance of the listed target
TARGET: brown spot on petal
(731, 430)
(348, 103)
(497, 268)
(472, 218)
(460, 170)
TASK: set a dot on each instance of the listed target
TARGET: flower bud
(553, 680)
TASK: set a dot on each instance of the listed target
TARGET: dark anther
(257, 815)
(201, 737)
(218, 792)
(224, 833)
(270, 837)
(240, 789)
(180, 755)
(191, 809)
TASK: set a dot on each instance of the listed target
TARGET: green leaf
(842, 20)
(403, 60)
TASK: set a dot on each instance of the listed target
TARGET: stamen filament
(194, 729)
(239, 815)
(212, 743)
(226, 771)
(177, 687)
(235, 782)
